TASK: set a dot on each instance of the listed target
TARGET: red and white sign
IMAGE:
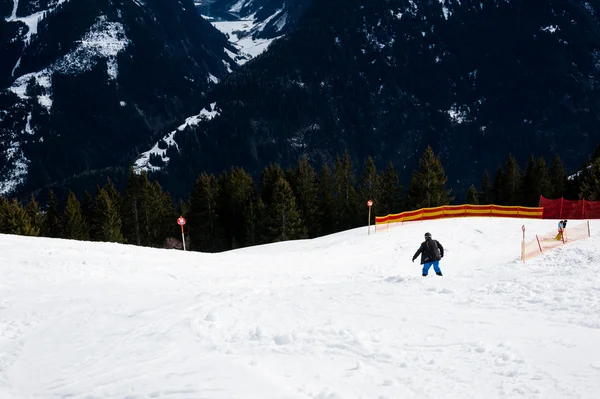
(369, 203)
(181, 221)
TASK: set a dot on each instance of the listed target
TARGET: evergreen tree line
(232, 210)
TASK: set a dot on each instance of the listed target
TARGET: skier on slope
(431, 252)
(562, 225)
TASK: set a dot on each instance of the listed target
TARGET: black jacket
(430, 250)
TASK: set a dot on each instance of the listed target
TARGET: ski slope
(343, 316)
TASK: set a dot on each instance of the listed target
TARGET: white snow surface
(342, 316)
(142, 163)
(240, 35)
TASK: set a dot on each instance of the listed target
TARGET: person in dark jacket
(431, 252)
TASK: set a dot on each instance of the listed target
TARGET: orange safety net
(455, 211)
(547, 241)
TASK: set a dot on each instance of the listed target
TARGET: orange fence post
(523, 245)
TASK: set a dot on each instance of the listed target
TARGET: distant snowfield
(343, 316)
(240, 35)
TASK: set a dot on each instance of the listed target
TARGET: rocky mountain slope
(476, 80)
(84, 83)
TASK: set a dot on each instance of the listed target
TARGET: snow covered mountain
(83, 83)
(343, 316)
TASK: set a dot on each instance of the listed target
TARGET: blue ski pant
(436, 267)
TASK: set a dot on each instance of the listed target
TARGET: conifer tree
(370, 189)
(543, 180)
(391, 191)
(255, 222)
(36, 217)
(536, 182)
(269, 179)
(558, 178)
(114, 194)
(137, 209)
(327, 201)
(345, 194)
(305, 185)
(4, 212)
(162, 218)
(590, 182)
(283, 220)
(472, 196)
(15, 220)
(107, 220)
(75, 226)
(487, 190)
(498, 197)
(530, 185)
(132, 209)
(52, 221)
(206, 233)
(428, 184)
(512, 188)
(87, 210)
(235, 192)
(251, 224)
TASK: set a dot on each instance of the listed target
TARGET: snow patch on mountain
(212, 78)
(457, 114)
(14, 171)
(103, 40)
(445, 10)
(143, 163)
(41, 79)
(32, 20)
(240, 34)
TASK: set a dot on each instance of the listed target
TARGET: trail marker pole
(181, 222)
(523, 245)
(369, 204)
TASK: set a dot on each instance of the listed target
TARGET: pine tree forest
(235, 210)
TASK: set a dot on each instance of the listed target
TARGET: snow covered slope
(343, 316)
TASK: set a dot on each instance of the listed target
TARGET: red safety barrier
(568, 209)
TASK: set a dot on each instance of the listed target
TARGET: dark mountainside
(106, 77)
(475, 80)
